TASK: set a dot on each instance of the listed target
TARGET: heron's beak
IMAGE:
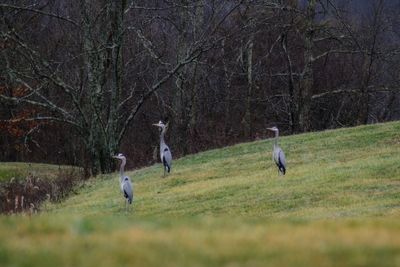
(115, 157)
(270, 129)
(156, 124)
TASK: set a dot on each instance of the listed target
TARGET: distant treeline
(82, 80)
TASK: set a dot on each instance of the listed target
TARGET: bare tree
(95, 99)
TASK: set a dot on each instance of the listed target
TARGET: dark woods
(82, 80)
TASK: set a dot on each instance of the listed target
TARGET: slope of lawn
(338, 205)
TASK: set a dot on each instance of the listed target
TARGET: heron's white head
(274, 129)
(161, 125)
(119, 156)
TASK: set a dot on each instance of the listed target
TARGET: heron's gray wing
(276, 154)
(282, 158)
(167, 157)
(279, 157)
(128, 191)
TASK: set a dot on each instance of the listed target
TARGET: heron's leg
(164, 172)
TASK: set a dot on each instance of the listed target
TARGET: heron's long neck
(121, 170)
(276, 138)
(162, 141)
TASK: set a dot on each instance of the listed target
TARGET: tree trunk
(307, 78)
(363, 101)
(228, 88)
(249, 64)
(185, 102)
(293, 107)
(102, 140)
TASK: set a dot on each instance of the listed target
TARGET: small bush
(19, 195)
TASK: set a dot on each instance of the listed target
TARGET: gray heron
(125, 181)
(277, 154)
(165, 152)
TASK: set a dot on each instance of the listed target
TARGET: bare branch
(40, 12)
(126, 100)
(284, 74)
(154, 88)
(345, 25)
(313, 59)
(148, 45)
(50, 118)
(48, 106)
(334, 92)
(32, 54)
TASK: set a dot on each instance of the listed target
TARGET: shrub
(19, 195)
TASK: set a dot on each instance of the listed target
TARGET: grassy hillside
(338, 205)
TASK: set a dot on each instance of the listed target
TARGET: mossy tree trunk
(102, 63)
(307, 76)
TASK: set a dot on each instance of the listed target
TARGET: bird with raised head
(165, 152)
(277, 153)
(125, 182)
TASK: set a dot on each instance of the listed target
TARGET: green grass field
(338, 205)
